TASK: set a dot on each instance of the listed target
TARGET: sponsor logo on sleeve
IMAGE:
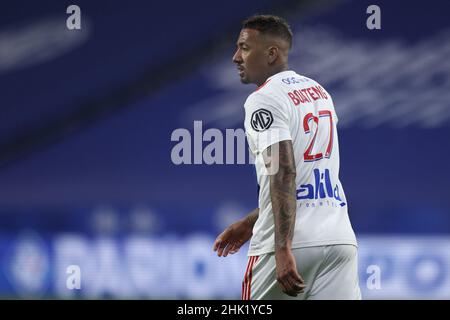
(261, 120)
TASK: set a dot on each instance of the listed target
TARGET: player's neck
(272, 72)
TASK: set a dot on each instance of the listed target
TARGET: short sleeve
(266, 123)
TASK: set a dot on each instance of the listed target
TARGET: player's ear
(272, 54)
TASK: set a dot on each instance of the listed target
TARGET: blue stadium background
(86, 118)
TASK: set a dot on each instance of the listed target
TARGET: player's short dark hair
(269, 24)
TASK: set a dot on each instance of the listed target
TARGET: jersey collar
(274, 75)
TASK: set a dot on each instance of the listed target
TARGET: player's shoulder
(259, 97)
(272, 89)
(269, 90)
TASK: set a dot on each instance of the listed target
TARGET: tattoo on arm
(283, 192)
(252, 217)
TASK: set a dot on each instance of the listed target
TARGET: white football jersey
(289, 106)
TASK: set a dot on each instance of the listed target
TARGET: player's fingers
(236, 247)
(222, 246)
(291, 292)
(297, 278)
(219, 240)
(298, 287)
(296, 282)
(220, 249)
(285, 287)
(227, 249)
(291, 288)
(233, 248)
(217, 244)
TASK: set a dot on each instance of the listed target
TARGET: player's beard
(242, 75)
(244, 79)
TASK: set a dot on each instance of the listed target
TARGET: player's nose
(237, 58)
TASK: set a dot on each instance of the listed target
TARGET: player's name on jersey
(307, 95)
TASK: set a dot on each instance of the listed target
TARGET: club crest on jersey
(261, 120)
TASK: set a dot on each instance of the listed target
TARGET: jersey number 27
(323, 114)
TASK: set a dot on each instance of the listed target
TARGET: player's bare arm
(284, 206)
(251, 218)
(235, 235)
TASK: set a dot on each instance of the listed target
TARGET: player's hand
(287, 276)
(232, 238)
